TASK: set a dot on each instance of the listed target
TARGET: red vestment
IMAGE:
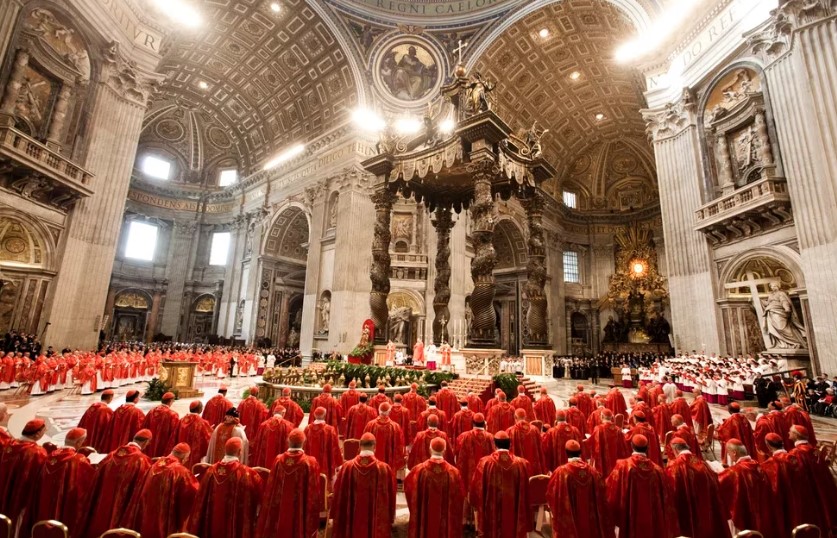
(293, 498)
(594, 419)
(65, 480)
(389, 442)
(816, 486)
(461, 422)
(554, 441)
(5, 437)
(293, 412)
(489, 404)
(421, 422)
(769, 423)
(522, 401)
(649, 414)
(357, 418)
(414, 403)
(271, 440)
(332, 407)
(447, 401)
(475, 403)
(654, 453)
(681, 407)
(526, 444)
(227, 502)
(96, 420)
(615, 401)
(701, 415)
(545, 410)
(348, 399)
(375, 401)
(662, 422)
(578, 502)
(20, 467)
(118, 480)
(745, 491)
(736, 427)
(364, 499)
(684, 432)
(195, 432)
(576, 418)
(252, 412)
(401, 416)
(165, 499)
(163, 423)
(585, 404)
(435, 497)
(638, 500)
(607, 445)
(127, 421)
(421, 447)
(215, 409)
(796, 416)
(499, 494)
(783, 470)
(471, 447)
(322, 444)
(694, 491)
(501, 417)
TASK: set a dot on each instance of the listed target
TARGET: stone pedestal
(180, 377)
(537, 362)
(481, 361)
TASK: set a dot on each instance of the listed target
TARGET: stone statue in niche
(659, 329)
(325, 314)
(64, 41)
(248, 244)
(332, 215)
(402, 227)
(746, 149)
(399, 317)
(29, 100)
(293, 337)
(780, 323)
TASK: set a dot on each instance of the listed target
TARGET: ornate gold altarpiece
(179, 376)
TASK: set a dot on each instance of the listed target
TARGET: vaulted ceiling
(565, 80)
(272, 78)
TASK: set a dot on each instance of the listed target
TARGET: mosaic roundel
(218, 137)
(408, 70)
(15, 245)
(170, 130)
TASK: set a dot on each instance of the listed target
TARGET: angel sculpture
(478, 89)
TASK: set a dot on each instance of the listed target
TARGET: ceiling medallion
(408, 71)
(169, 129)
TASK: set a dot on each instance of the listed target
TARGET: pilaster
(315, 200)
(680, 173)
(177, 270)
(799, 47)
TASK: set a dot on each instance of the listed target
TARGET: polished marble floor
(62, 411)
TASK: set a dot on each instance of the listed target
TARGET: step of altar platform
(462, 386)
(532, 387)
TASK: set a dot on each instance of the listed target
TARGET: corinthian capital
(670, 120)
(126, 79)
(802, 12)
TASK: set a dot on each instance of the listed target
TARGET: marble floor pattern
(62, 411)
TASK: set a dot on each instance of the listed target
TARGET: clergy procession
(601, 467)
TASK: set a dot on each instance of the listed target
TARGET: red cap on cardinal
(639, 441)
(286, 391)
(437, 444)
(182, 448)
(519, 414)
(572, 446)
(433, 421)
(75, 434)
(296, 436)
(367, 438)
(320, 413)
(232, 445)
(195, 405)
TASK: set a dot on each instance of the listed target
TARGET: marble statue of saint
(780, 323)
(293, 337)
(325, 314)
(332, 217)
(398, 320)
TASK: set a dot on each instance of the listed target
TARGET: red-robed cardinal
(435, 496)
(293, 495)
(821, 490)
(271, 439)
(358, 417)
(163, 423)
(216, 407)
(607, 444)
(252, 412)
(471, 447)
(554, 441)
(736, 427)
(334, 413)
(20, 467)
(526, 443)
(96, 422)
(195, 432)
(293, 412)
(127, 421)
(322, 444)
(545, 408)
(389, 439)
(743, 486)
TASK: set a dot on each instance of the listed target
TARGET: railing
(29, 151)
(744, 198)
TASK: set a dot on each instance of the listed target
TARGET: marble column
(460, 283)
(12, 89)
(315, 198)
(483, 325)
(177, 269)
(379, 274)
(799, 47)
(680, 173)
(116, 110)
(252, 292)
(232, 277)
(9, 10)
(441, 284)
(536, 315)
(59, 115)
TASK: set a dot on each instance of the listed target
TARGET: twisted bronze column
(536, 314)
(443, 225)
(379, 273)
(483, 324)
